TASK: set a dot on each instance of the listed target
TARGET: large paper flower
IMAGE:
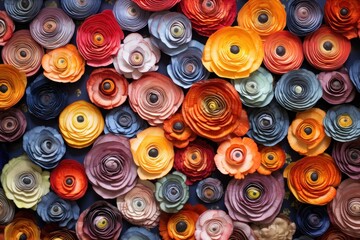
(326, 49)
(23, 11)
(23, 227)
(312, 220)
(347, 157)
(7, 28)
(256, 198)
(98, 38)
(177, 131)
(354, 74)
(242, 231)
(130, 16)
(210, 190)
(100, 221)
(212, 109)
(7, 212)
(155, 97)
(272, 159)
(136, 56)
(24, 182)
(156, 5)
(12, 125)
(110, 167)
(62, 233)
(139, 207)
(139, 233)
(313, 179)
(233, 52)
(68, 180)
(80, 10)
(80, 124)
(63, 64)
(213, 224)
(280, 228)
(335, 233)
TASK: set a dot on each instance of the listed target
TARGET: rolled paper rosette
(63, 64)
(130, 16)
(155, 97)
(80, 10)
(177, 131)
(7, 28)
(210, 190)
(44, 146)
(196, 161)
(107, 88)
(272, 159)
(22, 227)
(326, 49)
(12, 125)
(304, 16)
(237, 157)
(137, 55)
(100, 221)
(268, 125)
(255, 90)
(68, 180)
(186, 68)
(45, 99)
(283, 52)
(63, 234)
(139, 233)
(334, 233)
(24, 182)
(53, 209)
(12, 86)
(212, 109)
(23, 10)
(298, 90)
(313, 179)
(312, 220)
(280, 228)
(233, 52)
(347, 157)
(7, 212)
(156, 5)
(256, 198)
(98, 39)
(109, 166)
(354, 74)
(242, 231)
(213, 224)
(342, 123)
(139, 207)
(80, 123)
(306, 134)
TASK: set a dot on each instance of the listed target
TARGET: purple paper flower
(242, 231)
(347, 157)
(12, 125)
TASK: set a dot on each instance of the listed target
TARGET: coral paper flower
(233, 52)
(139, 233)
(242, 231)
(98, 39)
(354, 74)
(130, 16)
(213, 224)
(23, 11)
(23, 227)
(280, 228)
(313, 179)
(347, 157)
(12, 125)
(8, 209)
(272, 159)
(80, 10)
(7, 28)
(156, 5)
(312, 220)
(210, 190)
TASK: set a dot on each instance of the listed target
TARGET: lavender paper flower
(130, 16)
(12, 125)
(347, 157)
(80, 10)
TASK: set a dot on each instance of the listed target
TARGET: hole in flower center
(209, 193)
(298, 89)
(98, 38)
(153, 98)
(101, 222)
(178, 126)
(136, 58)
(280, 51)
(3, 88)
(308, 130)
(263, 18)
(48, 144)
(354, 155)
(50, 25)
(9, 124)
(190, 68)
(336, 84)
(23, 237)
(153, 152)
(132, 11)
(26, 180)
(55, 208)
(181, 226)
(69, 181)
(234, 49)
(314, 219)
(61, 63)
(253, 192)
(270, 157)
(193, 156)
(344, 121)
(124, 120)
(80, 119)
(23, 53)
(177, 29)
(314, 176)
(328, 45)
(25, 4)
(107, 87)
(344, 11)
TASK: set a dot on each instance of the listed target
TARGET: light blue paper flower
(130, 16)
(139, 234)
(80, 10)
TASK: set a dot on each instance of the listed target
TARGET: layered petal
(130, 16)
(156, 5)
(80, 10)
(354, 71)
(12, 125)
(242, 231)
(23, 11)
(272, 159)
(210, 190)
(7, 28)
(23, 227)
(312, 220)
(8, 209)
(213, 224)
(347, 157)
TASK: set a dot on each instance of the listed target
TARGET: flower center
(23, 236)
(153, 98)
(181, 226)
(280, 51)
(308, 130)
(314, 176)
(177, 29)
(234, 49)
(2, 27)
(136, 58)
(328, 45)
(178, 126)
(50, 26)
(253, 192)
(263, 18)
(101, 222)
(80, 118)
(25, 4)
(3, 88)
(132, 11)
(98, 38)
(69, 181)
(344, 121)
(344, 11)
(153, 152)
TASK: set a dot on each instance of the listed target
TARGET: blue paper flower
(210, 190)
(130, 16)
(45, 98)
(354, 74)
(53, 209)
(44, 146)
(312, 220)
(139, 233)
(80, 11)
(23, 11)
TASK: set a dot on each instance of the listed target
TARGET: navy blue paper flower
(312, 220)
(268, 125)
(80, 10)
(53, 209)
(354, 74)
(139, 233)
(23, 11)
(130, 16)
(45, 98)
(44, 146)
(298, 90)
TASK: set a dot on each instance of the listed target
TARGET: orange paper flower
(22, 227)
(177, 131)
(272, 159)
(7, 27)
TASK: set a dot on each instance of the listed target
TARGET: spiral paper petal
(272, 159)
(156, 5)
(242, 231)
(62, 233)
(210, 190)
(8, 209)
(177, 131)
(80, 10)
(7, 28)
(23, 227)
(213, 224)
(354, 74)
(312, 220)
(23, 11)
(130, 16)
(347, 157)
(12, 125)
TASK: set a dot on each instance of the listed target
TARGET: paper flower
(210, 190)
(342, 123)
(110, 167)
(45, 99)
(303, 16)
(272, 159)
(213, 224)
(156, 5)
(233, 52)
(354, 74)
(53, 209)
(313, 179)
(12, 86)
(256, 198)
(7, 28)
(8, 209)
(44, 146)
(212, 109)
(63, 64)
(130, 16)
(24, 182)
(139, 233)
(262, 16)
(347, 157)
(280, 228)
(177, 131)
(255, 90)
(268, 125)
(23, 227)
(12, 125)
(22, 11)
(312, 220)
(136, 56)
(196, 161)
(335, 233)
(242, 231)
(62, 233)
(326, 49)
(80, 124)
(155, 97)
(298, 90)
(80, 10)
(186, 68)
(283, 52)
(68, 180)
(98, 39)
(139, 207)
(100, 221)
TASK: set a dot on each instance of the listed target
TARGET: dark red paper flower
(156, 5)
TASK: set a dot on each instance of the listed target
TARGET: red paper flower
(177, 131)
(156, 5)
(7, 28)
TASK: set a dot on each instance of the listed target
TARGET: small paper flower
(7, 212)
(242, 231)
(156, 5)
(177, 131)
(256, 198)
(24, 182)
(354, 74)
(139, 233)
(272, 159)
(98, 39)
(335, 233)
(130, 16)
(347, 157)
(80, 124)
(63, 64)
(280, 228)
(210, 190)
(171, 32)
(312, 220)
(62, 233)
(136, 56)
(23, 11)
(155, 97)
(7, 28)
(313, 179)
(12, 125)
(213, 224)
(139, 207)
(68, 180)
(80, 10)
(23, 227)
